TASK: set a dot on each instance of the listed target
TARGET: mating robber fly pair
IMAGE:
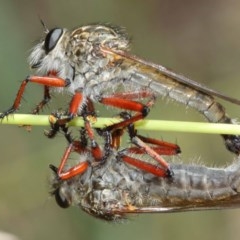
(92, 64)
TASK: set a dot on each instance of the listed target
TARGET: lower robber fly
(118, 187)
(92, 63)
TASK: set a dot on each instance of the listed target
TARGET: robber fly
(117, 187)
(93, 64)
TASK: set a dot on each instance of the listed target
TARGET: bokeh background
(197, 38)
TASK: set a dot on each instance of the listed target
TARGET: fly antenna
(44, 26)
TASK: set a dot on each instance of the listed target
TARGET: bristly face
(61, 50)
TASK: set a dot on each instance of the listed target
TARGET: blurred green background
(197, 38)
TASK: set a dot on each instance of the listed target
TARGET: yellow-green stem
(150, 125)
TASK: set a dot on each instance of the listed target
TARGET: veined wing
(164, 74)
(231, 203)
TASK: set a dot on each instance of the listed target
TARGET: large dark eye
(61, 201)
(52, 38)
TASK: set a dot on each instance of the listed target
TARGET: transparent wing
(161, 74)
(233, 202)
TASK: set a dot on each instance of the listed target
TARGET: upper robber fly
(93, 64)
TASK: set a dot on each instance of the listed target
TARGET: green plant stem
(149, 125)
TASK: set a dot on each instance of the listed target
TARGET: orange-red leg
(125, 101)
(161, 147)
(148, 167)
(47, 81)
(73, 171)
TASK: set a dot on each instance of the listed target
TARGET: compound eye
(61, 201)
(52, 38)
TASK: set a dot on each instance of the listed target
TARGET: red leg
(88, 114)
(95, 149)
(145, 166)
(76, 101)
(125, 101)
(48, 81)
(162, 147)
(73, 171)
